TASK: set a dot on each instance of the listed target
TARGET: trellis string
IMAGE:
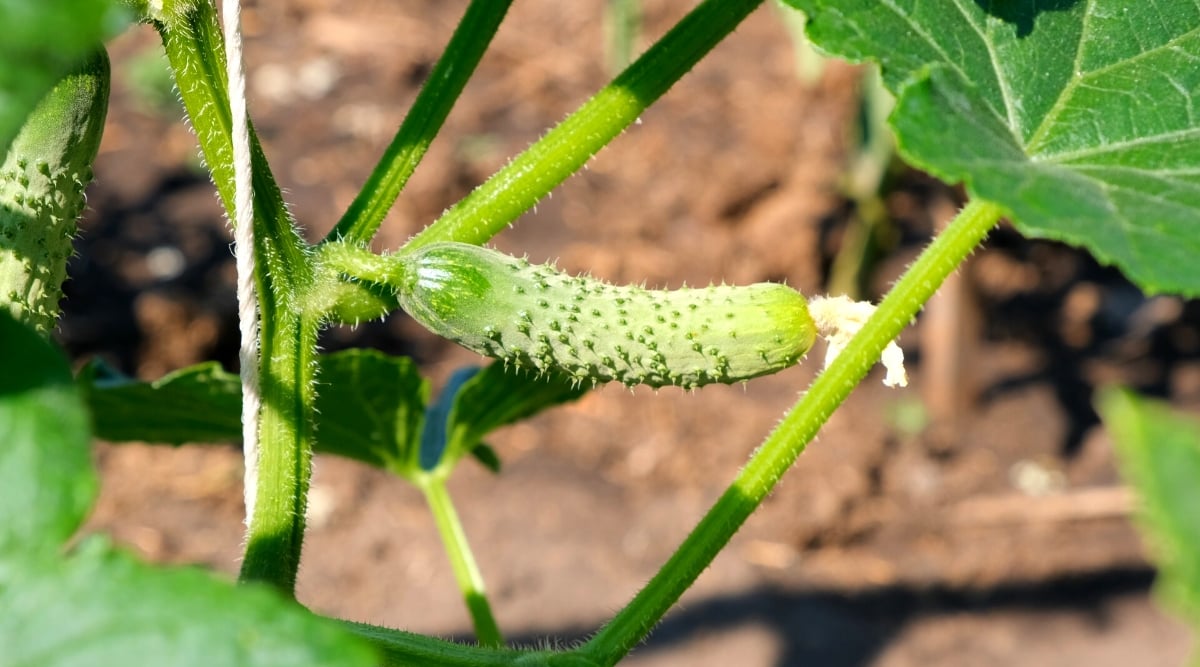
(243, 236)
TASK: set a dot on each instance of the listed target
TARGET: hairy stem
(788, 440)
(462, 561)
(286, 436)
(534, 173)
(407, 649)
(283, 273)
(195, 52)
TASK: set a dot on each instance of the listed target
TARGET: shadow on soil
(840, 629)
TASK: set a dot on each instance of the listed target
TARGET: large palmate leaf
(1080, 117)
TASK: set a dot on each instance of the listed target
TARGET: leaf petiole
(462, 561)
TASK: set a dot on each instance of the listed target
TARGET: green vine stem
(631, 625)
(408, 649)
(193, 44)
(451, 73)
(462, 562)
(564, 149)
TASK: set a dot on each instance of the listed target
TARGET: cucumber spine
(42, 182)
(535, 316)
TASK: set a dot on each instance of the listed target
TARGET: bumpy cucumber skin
(42, 183)
(535, 316)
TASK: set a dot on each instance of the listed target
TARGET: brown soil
(983, 526)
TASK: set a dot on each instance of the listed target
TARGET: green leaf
(487, 457)
(201, 403)
(42, 40)
(496, 396)
(102, 607)
(46, 479)
(437, 417)
(1080, 118)
(1160, 455)
(370, 407)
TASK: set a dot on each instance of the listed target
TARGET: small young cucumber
(535, 316)
(42, 179)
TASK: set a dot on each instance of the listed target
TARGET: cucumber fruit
(535, 316)
(42, 181)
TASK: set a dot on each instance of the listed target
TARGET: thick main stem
(275, 533)
(793, 434)
(283, 274)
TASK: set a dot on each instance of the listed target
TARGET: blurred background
(975, 518)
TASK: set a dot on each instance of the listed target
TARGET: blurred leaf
(370, 407)
(1078, 117)
(622, 26)
(487, 457)
(477, 401)
(152, 84)
(43, 39)
(473, 403)
(46, 479)
(102, 607)
(497, 396)
(201, 403)
(1160, 455)
(437, 417)
(809, 62)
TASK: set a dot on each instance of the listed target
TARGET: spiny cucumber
(535, 316)
(42, 181)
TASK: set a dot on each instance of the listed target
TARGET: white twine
(243, 237)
